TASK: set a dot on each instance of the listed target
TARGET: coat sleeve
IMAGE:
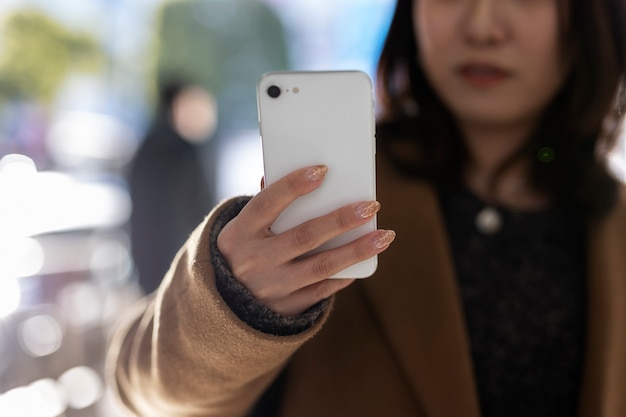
(182, 351)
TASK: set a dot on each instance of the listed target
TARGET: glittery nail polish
(317, 172)
(384, 238)
(368, 209)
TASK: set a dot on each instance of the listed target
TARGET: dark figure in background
(169, 183)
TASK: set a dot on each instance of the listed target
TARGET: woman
(503, 292)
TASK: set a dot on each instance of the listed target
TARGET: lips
(483, 74)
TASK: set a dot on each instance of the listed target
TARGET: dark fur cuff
(242, 302)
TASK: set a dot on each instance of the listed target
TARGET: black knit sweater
(523, 292)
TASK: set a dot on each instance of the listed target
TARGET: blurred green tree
(37, 54)
(222, 45)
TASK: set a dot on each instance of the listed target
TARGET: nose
(485, 25)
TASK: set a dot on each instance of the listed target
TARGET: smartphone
(321, 117)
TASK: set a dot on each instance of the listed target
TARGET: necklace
(488, 221)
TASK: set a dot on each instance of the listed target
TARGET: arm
(184, 352)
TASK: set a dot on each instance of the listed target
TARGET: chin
(495, 119)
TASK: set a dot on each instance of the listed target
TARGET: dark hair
(578, 128)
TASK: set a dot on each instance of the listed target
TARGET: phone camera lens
(273, 91)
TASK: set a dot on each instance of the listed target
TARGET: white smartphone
(321, 117)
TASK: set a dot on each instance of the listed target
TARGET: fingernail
(384, 239)
(317, 172)
(368, 209)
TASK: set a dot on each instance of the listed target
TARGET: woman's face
(494, 63)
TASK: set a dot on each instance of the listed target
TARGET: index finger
(264, 208)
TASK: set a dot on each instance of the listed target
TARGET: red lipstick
(482, 74)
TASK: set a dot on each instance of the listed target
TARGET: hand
(271, 266)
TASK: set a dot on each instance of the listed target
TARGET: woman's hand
(269, 265)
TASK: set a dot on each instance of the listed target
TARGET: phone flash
(295, 90)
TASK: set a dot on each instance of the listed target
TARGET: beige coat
(393, 344)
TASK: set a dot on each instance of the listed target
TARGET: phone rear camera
(273, 91)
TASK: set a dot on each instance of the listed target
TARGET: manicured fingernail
(384, 239)
(316, 173)
(368, 209)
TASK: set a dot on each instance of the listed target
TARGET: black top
(523, 291)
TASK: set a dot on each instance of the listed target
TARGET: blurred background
(122, 122)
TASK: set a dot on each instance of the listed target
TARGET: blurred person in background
(169, 187)
(504, 292)
(224, 47)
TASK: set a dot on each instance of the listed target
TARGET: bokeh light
(16, 166)
(83, 386)
(18, 177)
(26, 402)
(108, 140)
(50, 397)
(40, 335)
(43, 398)
(20, 257)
